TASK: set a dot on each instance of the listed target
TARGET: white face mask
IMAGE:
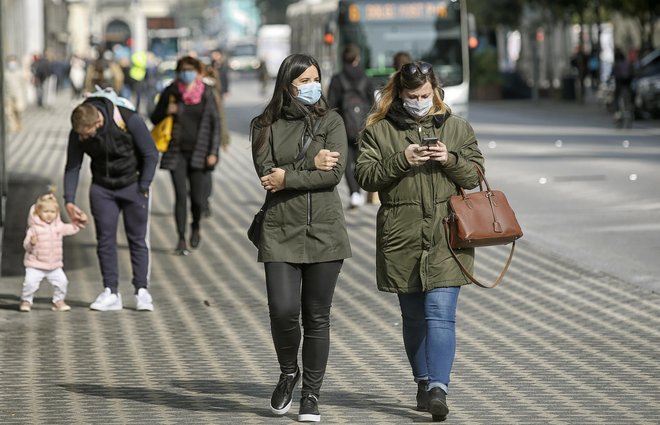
(418, 108)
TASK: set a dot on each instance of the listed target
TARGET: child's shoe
(25, 306)
(60, 306)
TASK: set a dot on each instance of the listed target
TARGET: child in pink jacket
(43, 252)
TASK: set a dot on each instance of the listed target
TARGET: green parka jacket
(411, 248)
(304, 223)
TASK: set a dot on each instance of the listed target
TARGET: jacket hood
(404, 121)
(34, 219)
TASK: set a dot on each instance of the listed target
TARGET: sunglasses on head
(413, 68)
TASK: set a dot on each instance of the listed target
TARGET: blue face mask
(309, 93)
(187, 77)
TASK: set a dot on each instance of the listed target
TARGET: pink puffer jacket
(46, 254)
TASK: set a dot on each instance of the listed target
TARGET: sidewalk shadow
(23, 191)
(212, 401)
(162, 398)
(341, 399)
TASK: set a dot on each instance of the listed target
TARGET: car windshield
(245, 50)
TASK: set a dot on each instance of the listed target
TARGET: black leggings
(285, 302)
(188, 180)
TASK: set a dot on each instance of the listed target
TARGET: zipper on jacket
(309, 208)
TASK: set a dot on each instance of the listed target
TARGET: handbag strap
(308, 141)
(445, 222)
(301, 155)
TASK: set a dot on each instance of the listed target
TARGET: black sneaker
(438, 404)
(280, 401)
(195, 239)
(309, 409)
(422, 396)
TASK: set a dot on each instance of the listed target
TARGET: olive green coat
(411, 249)
(304, 223)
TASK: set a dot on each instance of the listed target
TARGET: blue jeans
(429, 333)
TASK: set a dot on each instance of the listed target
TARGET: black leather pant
(287, 298)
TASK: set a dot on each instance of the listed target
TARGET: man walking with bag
(352, 93)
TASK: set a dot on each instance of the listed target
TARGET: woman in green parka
(414, 153)
(303, 237)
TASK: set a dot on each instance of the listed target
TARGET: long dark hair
(283, 96)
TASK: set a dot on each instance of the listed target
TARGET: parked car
(646, 86)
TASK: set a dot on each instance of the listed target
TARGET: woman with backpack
(352, 94)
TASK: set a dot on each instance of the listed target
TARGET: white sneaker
(143, 300)
(357, 200)
(107, 301)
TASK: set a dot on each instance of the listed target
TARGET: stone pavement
(554, 344)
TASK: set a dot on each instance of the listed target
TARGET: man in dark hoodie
(352, 93)
(123, 163)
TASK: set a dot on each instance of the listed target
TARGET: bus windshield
(429, 31)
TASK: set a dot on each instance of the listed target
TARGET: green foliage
(484, 69)
(491, 13)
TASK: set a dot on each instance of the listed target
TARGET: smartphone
(429, 140)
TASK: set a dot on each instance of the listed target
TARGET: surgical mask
(12, 66)
(309, 93)
(187, 77)
(418, 108)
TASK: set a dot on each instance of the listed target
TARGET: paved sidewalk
(554, 344)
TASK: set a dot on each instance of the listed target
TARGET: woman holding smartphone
(415, 154)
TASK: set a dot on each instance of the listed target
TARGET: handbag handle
(482, 179)
(445, 223)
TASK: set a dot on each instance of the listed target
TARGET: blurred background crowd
(517, 48)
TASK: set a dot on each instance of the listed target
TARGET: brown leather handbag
(482, 218)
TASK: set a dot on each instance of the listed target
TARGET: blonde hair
(397, 83)
(47, 199)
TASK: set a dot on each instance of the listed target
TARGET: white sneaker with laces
(143, 300)
(357, 200)
(107, 301)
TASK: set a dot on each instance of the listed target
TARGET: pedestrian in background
(104, 72)
(77, 73)
(15, 88)
(303, 239)
(44, 79)
(352, 94)
(399, 59)
(194, 149)
(44, 252)
(123, 163)
(220, 65)
(414, 178)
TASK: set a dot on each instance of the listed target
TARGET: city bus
(431, 31)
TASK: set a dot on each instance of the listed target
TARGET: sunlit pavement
(555, 343)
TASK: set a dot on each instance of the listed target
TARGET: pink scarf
(192, 95)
